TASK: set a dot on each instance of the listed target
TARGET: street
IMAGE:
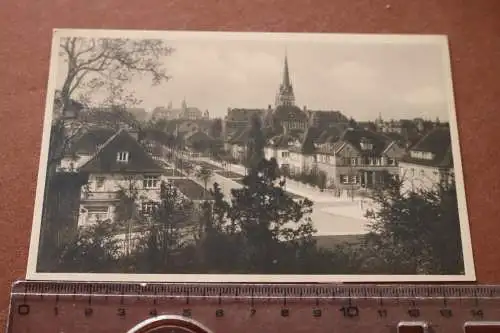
(331, 215)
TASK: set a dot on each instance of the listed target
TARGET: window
(151, 181)
(344, 179)
(353, 161)
(353, 179)
(285, 154)
(390, 161)
(99, 182)
(423, 155)
(148, 208)
(97, 213)
(122, 156)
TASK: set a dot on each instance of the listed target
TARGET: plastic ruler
(71, 307)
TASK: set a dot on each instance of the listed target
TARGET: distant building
(185, 112)
(239, 118)
(284, 116)
(190, 113)
(429, 163)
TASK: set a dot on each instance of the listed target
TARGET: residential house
(238, 119)
(353, 158)
(429, 163)
(157, 143)
(120, 163)
(323, 118)
(198, 141)
(236, 145)
(360, 159)
(82, 147)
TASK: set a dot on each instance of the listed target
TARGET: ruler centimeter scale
(71, 307)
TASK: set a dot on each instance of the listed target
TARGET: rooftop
(105, 159)
(438, 143)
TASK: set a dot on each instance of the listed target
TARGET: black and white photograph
(182, 156)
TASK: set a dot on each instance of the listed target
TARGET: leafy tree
(416, 232)
(270, 221)
(204, 174)
(255, 144)
(218, 246)
(95, 249)
(164, 238)
(216, 128)
(127, 211)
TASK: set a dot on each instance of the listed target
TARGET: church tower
(285, 95)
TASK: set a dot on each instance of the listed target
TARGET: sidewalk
(293, 186)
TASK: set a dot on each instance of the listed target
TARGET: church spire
(286, 74)
(285, 94)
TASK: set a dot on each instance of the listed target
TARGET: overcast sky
(397, 80)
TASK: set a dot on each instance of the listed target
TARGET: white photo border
(442, 40)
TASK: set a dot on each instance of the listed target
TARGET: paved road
(329, 218)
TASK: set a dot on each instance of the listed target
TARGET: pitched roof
(438, 143)
(331, 148)
(289, 113)
(105, 159)
(241, 137)
(198, 136)
(89, 142)
(310, 137)
(325, 117)
(282, 141)
(354, 137)
(241, 114)
(329, 135)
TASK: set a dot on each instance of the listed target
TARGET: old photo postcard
(250, 157)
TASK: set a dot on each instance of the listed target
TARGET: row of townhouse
(359, 158)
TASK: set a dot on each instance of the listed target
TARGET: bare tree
(96, 63)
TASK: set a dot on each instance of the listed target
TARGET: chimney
(269, 107)
(305, 108)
